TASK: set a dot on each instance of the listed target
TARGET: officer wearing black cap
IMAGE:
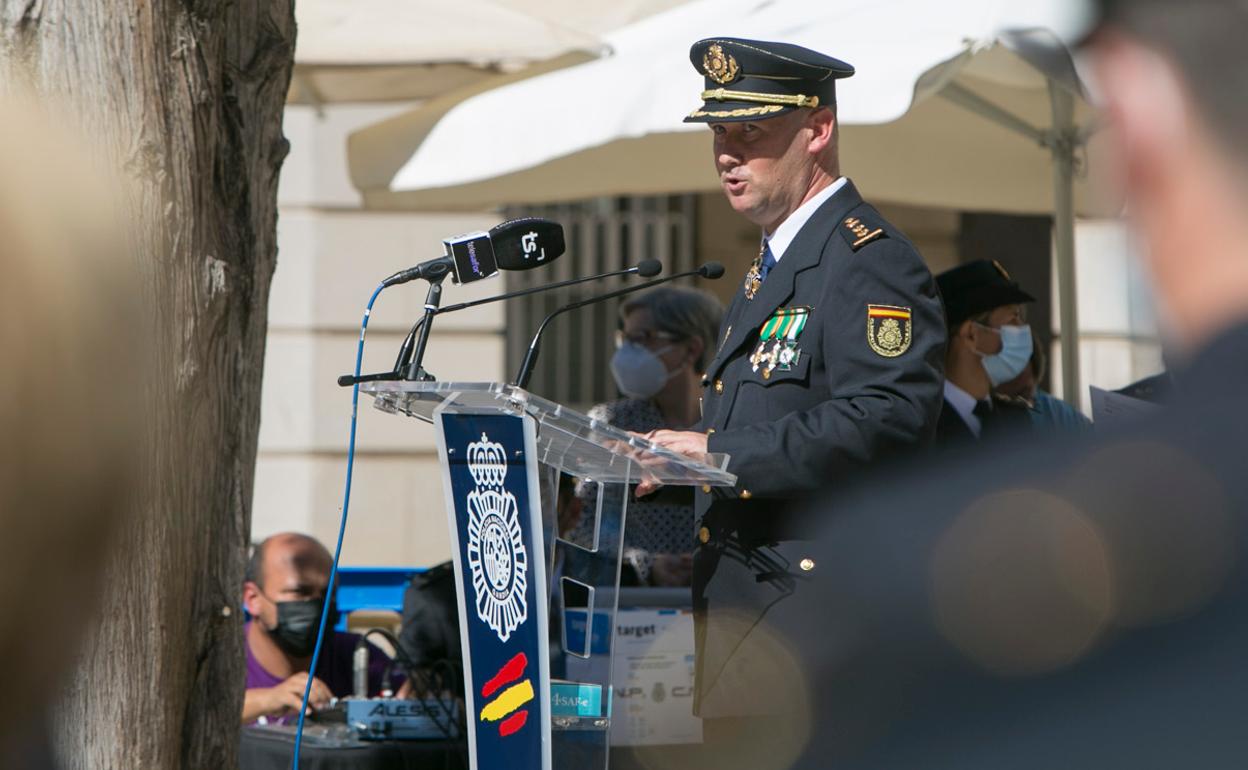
(989, 344)
(830, 355)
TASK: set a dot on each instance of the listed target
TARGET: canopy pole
(1063, 149)
(969, 100)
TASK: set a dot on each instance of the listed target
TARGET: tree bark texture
(190, 93)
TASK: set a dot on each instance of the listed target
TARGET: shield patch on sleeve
(888, 329)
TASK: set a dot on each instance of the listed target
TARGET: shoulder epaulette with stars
(858, 232)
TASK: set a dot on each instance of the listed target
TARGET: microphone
(359, 669)
(524, 243)
(647, 268)
(710, 271)
(517, 244)
(527, 242)
(403, 364)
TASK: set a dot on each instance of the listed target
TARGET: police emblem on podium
(493, 503)
(497, 556)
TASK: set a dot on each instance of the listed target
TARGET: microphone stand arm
(405, 351)
(537, 289)
(412, 351)
(530, 356)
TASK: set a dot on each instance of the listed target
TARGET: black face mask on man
(297, 624)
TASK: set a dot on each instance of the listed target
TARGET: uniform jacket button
(806, 564)
(704, 535)
(706, 488)
(719, 386)
(746, 494)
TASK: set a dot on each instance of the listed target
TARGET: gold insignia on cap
(888, 329)
(790, 100)
(1001, 269)
(719, 66)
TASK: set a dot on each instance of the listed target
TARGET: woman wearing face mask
(666, 337)
(1049, 414)
(989, 344)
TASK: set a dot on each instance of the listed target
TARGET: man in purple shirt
(284, 593)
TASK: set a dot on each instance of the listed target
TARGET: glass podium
(537, 605)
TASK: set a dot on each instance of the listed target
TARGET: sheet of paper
(653, 676)
(1110, 409)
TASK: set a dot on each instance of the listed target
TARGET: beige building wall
(331, 255)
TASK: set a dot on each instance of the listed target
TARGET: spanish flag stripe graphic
(512, 723)
(882, 313)
(510, 672)
(511, 699)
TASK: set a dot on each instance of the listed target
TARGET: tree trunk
(191, 96)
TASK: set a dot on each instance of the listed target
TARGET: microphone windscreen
(711, 270)
(649, 268)
(526, 242)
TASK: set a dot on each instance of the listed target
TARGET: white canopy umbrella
(392, 50)
(945, 110)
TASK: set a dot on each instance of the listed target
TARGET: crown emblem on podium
(487, 462)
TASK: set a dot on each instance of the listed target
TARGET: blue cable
(342, 528)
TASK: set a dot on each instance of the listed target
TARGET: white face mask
(638, 371)
(1013, 357)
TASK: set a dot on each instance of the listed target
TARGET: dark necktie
(987, 417)
(769, 261)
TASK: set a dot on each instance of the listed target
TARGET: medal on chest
(754, 276)
(777, 348)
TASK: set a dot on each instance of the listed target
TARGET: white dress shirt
(790, 227)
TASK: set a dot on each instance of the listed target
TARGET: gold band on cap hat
(724, 95)
(740, 112)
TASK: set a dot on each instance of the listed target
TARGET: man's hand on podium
(685, 442)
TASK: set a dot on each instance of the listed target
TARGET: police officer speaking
(830, 355)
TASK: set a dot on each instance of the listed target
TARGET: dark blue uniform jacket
(865, 388)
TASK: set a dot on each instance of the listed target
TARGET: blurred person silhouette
(430, 630)
(1049, 414)
(284, 593)
(989, 344)
(69, 462)
(1082, 602)
(665, 340)
(430, 633)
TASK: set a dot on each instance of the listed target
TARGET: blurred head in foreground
(1173, 77)
(1084, 603)
(65, 407)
